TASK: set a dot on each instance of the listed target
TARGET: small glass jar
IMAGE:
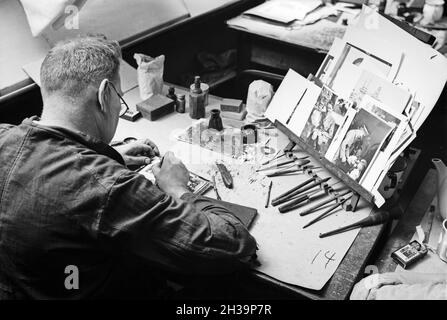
(180, 104)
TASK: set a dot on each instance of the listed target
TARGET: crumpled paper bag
(259, 95)
(150, 74)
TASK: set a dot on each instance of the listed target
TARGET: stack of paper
(375, 88)
(284, 11)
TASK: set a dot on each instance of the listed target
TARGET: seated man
(69, 203)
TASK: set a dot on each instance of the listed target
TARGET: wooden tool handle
(373, 219)
(291, 205)
(299, 191)
(322, 203)
(325, 214)
(292, 190)
(226, 175)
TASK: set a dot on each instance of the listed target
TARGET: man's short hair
(73, 65)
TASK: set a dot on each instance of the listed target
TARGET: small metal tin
(409, 254)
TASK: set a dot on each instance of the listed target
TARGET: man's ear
(103, 95)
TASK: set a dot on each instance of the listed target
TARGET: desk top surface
(351, 266)
(418, 213)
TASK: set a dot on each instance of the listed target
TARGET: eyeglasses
(124, 106)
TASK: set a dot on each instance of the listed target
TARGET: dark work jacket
(67, 199)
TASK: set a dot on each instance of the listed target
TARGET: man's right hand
(172, 177)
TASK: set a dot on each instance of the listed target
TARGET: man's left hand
(138, 152)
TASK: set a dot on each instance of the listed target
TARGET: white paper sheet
(423, 69)
(284, 11)
(303, 110)
(329, 61)
(335, 146)
(287, 252)
(286, 97)
(378, 59)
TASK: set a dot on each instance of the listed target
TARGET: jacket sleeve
(190, 235)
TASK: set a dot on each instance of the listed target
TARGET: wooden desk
(406, 227)
(354, 265)
(349, 271)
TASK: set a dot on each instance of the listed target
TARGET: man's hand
(172, 177)
(138, 152)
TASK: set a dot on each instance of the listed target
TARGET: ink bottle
(215, 120)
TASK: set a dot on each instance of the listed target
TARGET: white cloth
(43, 13)
(401, 286)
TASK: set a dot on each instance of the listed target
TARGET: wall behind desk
(198, 7)
(180, 44)
(123, 20)
(202, 33)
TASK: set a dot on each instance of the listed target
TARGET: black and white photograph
(325, 120)
(206, 162)
(395, 97)
(351, 62)
(381, 111)
(365, 135)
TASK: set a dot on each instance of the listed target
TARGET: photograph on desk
(370, 84)
(364, 137)
(343, 70)
(400, 128)
(325, 120)
(351, 61)
(196, 184)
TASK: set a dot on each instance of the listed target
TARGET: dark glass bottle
(215, 120)
(171, 94)
(196, 101)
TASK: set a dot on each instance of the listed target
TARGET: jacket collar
(80, 137)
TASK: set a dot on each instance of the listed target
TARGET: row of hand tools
(310, 191)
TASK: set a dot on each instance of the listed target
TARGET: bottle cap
(197, 82)
(197, 88)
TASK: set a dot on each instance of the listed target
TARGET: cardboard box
(231, 105)
(156, 107)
